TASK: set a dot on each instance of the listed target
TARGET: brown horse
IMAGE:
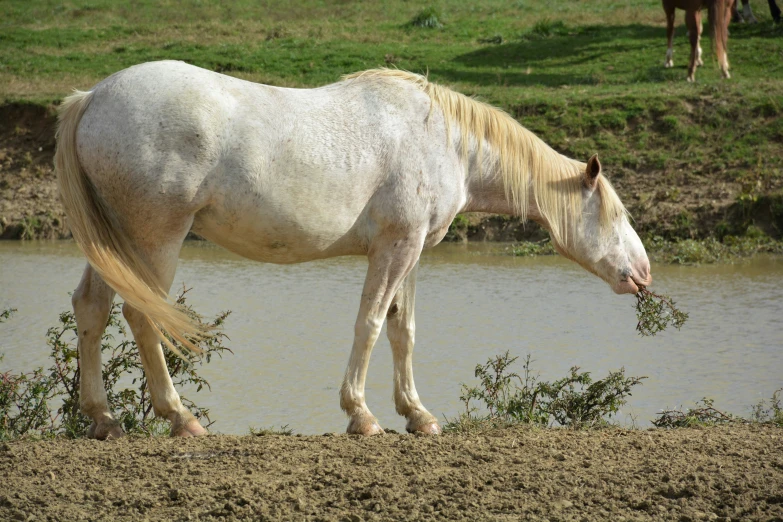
(719, 15)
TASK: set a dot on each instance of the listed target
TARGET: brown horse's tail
(103, 242)
(716, 13)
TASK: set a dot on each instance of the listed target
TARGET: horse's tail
(716, 12)
(106, 246)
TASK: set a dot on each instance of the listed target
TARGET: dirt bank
(676, 202)
(726, 473)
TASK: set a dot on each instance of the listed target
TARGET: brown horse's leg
(692, 22)
(699, 61)
(774, 10)
(668, 7)
(725, 21)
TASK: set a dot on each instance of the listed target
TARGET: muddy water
(292, 326)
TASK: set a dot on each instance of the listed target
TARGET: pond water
(292, 327)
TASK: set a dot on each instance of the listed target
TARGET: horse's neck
(485, 187)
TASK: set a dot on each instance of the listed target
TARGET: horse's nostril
(626, 272)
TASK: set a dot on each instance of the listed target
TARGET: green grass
(46, 44)
(586, 76)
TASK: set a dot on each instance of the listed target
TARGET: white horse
(377, 164)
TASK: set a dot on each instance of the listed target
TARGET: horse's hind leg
(390, 261)
(166, 403)
(401, 330)
(670, 12)
(92, 301)
(694, 26)
(747, 12)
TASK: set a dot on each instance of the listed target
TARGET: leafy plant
(28, 401)
(546, 28)
(532, 248)
(24, 403)
(578, 401)
(710, 250)
(772, 414)
(574, 401)
(262, 432)
(429, 17)
(655, 312)
(704, 414)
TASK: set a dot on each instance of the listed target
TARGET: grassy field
(690, 160)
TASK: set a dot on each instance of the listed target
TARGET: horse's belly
(262, 234)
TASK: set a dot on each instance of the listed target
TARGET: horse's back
(275, 174)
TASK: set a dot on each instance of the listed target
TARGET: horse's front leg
(693, 23)
(401, 329)
(390, 261)
(670, 12)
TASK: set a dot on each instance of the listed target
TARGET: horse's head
(603, 241)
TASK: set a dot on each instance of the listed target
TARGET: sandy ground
(723, 473)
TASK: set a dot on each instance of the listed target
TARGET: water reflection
(292, 326)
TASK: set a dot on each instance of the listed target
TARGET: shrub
(428, 17)
(46, 403)
(704, 414)
(546, 28)
(772, 414)
(532, 248)
(575, 401)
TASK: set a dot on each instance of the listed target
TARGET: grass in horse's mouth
(656, 312)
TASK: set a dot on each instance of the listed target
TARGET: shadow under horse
(719, 16)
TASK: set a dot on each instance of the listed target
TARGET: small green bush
(704, 414)
(429, 18)
(45, 403)
(532, 248)
(772, 413)
(263, 432)
(711, 250)
(575, 401)
(546, 28)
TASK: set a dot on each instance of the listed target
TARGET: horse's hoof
(105, 431)
(364, 427)
(726, 75)
(668, 64)
(431, 428)
(192, 428)
(691, 78)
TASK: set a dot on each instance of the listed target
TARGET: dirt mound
(29, 204)
(725, 473)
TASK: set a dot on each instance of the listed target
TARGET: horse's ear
(592, 172)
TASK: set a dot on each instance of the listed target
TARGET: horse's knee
(91, 309)
(132, 315)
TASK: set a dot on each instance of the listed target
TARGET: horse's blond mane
(524, 159)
